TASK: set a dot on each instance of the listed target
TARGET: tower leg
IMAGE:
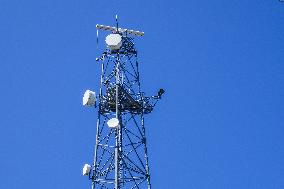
(146, 152)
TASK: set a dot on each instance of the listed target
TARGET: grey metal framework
(121, 158)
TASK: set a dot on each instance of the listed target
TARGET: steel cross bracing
(121, 158)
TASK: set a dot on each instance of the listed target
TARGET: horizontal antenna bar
(121, 30)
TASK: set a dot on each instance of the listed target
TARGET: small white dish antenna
(114, 41)
(113, 123)
(86, 169)
(89, 98)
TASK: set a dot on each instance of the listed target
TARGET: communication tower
(120, 158)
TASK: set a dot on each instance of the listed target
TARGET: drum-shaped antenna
(114, 41)
(86, 169)
(113, 123)
(89, 98)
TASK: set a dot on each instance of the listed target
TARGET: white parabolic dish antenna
(86, 169)
(114, 41)
(89, 98)
(113, 123)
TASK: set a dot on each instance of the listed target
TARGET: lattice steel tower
(120, 158)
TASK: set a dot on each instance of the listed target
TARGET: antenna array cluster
(121, 157)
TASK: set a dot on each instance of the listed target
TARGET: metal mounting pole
(118, 130)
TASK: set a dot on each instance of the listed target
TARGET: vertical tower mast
(120, 158)
(118, 130)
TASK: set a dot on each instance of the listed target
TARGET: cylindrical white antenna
(97, 38)
(116, 22)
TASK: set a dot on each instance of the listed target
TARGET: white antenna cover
(89, 98)
(114, 41)
(113, 123)
(86, 169)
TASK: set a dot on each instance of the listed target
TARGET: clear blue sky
(219, 126)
